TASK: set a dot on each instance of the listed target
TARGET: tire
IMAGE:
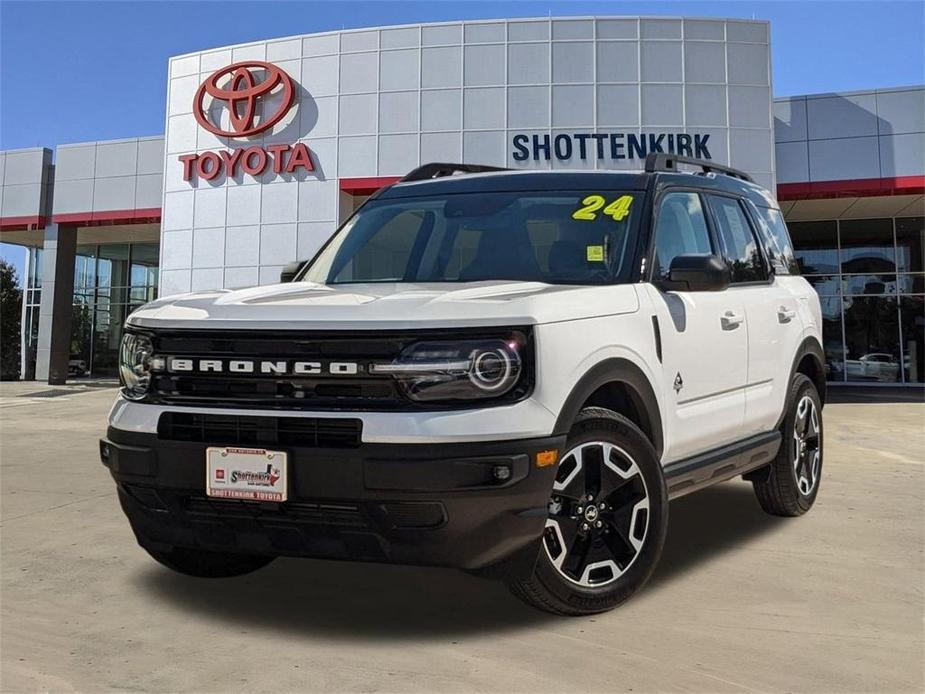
(208, 564)
(792, 483)
(586, 570)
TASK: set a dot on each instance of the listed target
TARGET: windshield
(558, 238)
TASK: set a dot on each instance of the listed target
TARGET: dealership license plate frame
(256, 461)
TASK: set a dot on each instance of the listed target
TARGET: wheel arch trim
(624, 372)
(808, 347)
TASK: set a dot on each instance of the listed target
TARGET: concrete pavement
(741, 601)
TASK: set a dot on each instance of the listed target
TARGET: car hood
(305, 305)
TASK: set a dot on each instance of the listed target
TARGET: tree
(10, 317)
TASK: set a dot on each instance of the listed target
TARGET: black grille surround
(360, 392)
(238, 430)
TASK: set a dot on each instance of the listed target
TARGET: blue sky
(77, 71)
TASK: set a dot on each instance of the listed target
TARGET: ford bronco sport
(508, 372)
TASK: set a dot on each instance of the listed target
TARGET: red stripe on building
(148, 215)
(27, 223)
(852, 188)
(366, 186)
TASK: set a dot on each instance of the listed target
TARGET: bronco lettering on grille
(265, 367)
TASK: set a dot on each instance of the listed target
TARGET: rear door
(703, 337)
(773, 321)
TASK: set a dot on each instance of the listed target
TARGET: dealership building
(269, 146)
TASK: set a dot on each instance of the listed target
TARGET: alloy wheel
(806, 454)
(598, 514)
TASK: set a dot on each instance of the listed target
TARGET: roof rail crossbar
(662, 161)
(438, 170)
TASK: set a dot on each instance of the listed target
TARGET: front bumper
(521, 420)
(404, 503)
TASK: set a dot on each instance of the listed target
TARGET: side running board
(700, 471)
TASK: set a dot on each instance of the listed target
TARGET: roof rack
(438, 170)
(660, 161)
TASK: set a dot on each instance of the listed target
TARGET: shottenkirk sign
(607, 145)
(244, 87)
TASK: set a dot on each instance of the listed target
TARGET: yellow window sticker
(589, 207)
(618, 209)
(595, 254)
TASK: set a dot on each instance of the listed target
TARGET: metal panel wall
(859, 135)
(25, 182)
(112, 176)
(378, 102)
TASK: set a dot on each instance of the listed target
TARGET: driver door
(703, 335)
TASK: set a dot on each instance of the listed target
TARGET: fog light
(105, 452)
(547, 458)
(501, 472)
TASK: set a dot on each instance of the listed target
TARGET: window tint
(739, 244)
(388, 250)
(681, 229)
(779, 246)
(558, 238)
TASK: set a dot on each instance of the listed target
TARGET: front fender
(619, 370)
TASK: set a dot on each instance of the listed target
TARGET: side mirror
(698, 273)
(290, 270)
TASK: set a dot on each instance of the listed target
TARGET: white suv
(509, 372)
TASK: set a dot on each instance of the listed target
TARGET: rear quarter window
(777, 241)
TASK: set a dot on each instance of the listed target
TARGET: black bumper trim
(435, 504)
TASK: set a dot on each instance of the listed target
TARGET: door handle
(731, 320)
(785, 315)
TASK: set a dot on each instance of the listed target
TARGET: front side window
(739, 244)
(553, 237)
(681, 229)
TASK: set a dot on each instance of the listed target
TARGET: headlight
(135, 365)
(459, 370)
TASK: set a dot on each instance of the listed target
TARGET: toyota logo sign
(241, 86)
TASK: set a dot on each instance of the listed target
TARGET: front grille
(238, 430)
(339, 515)
(359, 392)
(421, 515)
(282, 393)
(306, 392)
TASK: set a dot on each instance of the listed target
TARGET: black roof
(534, 180)
(504, 181)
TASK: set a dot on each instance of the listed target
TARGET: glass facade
(110, 281)
(870, 277)
(32, 300)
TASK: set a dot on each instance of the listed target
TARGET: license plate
(254, 474)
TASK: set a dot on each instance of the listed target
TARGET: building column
(25, 364)
(54, 343)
